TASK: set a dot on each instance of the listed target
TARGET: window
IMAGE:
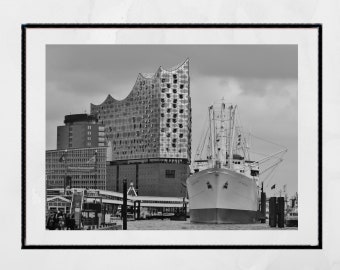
(168, 85)
(170, 173)
(88, 127)
(181, 86)
(174, 91)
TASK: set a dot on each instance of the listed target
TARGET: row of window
(168, 110)
(77, 153)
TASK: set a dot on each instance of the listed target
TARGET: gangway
(76, 206)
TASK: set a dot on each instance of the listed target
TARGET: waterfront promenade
(167, 224)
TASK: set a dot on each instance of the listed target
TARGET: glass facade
(154, 120)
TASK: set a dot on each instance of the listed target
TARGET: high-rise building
(78, 168)
(150, 133)
(80, 131)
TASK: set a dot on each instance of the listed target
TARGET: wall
(152, 180)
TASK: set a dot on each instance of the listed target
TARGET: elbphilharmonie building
(149, 133)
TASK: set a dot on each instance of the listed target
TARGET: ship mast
(223, 135)
(212, 135)
(231, 137)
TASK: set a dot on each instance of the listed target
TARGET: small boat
(292, 218)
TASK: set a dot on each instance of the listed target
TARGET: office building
(77, 168)
(80, 131)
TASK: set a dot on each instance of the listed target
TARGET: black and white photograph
(172, 137)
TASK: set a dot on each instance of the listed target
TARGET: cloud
(268, 111)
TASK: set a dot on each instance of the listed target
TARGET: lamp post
(95, 168)
(65, 171)
(124, 206)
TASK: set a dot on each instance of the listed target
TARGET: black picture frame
(24, 29)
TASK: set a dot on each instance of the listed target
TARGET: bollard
(124, 208)
(280, 212)
(272, 212)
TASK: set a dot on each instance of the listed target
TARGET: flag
(92, 159)
(273, 186)
(62, 158)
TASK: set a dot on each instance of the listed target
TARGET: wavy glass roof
(143, 75)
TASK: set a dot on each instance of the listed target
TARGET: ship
(225, 184)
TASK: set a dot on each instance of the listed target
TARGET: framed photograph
(194, 136)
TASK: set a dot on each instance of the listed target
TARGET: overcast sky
(261, 79)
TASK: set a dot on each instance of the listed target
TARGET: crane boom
(275, 164)
(273, 155)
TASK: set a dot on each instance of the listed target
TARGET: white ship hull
(222, 196)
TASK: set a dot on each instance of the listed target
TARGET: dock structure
(110, 200)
